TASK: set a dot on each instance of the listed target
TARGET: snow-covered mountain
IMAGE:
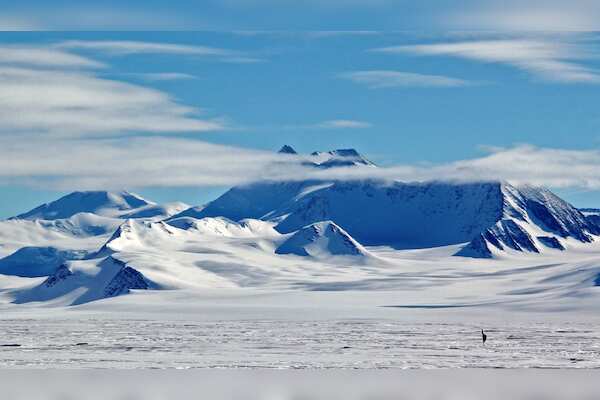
(532, 219)
(102, 203)
(83, 281)
(321, 239)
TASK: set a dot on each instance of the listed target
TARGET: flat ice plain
(291, 330)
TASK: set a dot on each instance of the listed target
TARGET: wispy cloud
(343, 124)
(49, 91)
(44, 57)
(160, 76)
(550, 59)
(122, 47)
(127, 47)
(378, 79)
(73, 103)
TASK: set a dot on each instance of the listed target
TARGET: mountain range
(91, 245)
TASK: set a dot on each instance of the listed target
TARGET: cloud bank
(173, 162)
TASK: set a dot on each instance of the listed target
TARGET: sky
(191, 106)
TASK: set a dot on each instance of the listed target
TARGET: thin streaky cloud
(380, 79)
(160, 76)
(549, 59)
(124, 47)
(343, 124)
(44, 57)
(67, 103)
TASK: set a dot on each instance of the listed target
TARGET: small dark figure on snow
(483, 336)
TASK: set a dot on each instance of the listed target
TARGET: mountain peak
(339, 158)
(286, 149)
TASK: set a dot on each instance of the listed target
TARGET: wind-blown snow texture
(308, 235)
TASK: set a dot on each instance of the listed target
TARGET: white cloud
(126, 47)
(551, 59)
(75, 103)
(161, 76)
(45, 57)
(122, 47)
(343, 124)
(378, 79)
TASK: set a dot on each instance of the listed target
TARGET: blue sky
(439, 103)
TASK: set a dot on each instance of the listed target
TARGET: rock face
(124, 281)
(532, 219)
(285, 149)
(61, 273)
(321, 239)
(97, 202)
